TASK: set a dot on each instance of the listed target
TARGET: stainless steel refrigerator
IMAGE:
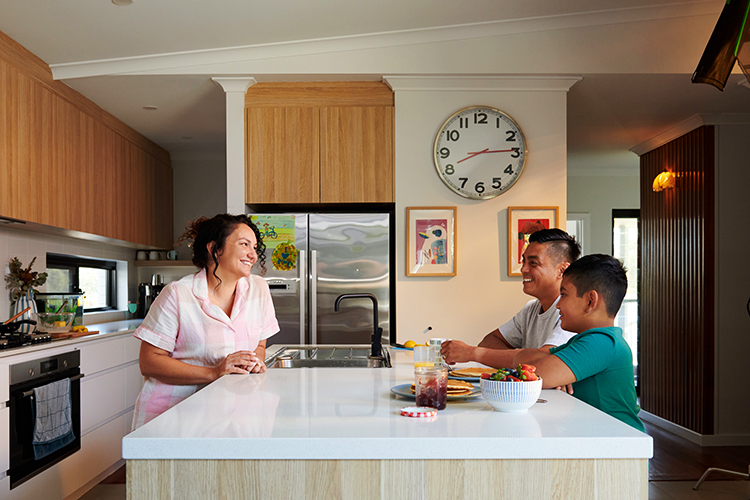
(311, 259)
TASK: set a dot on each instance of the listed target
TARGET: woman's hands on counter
(159, 364)
(240, 362)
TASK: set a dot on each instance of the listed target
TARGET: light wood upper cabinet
(66, 163)
(282, 155)
(356, 154)
(320, 142)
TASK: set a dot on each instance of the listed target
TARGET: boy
(597, 361)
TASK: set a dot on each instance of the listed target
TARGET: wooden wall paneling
(356, 156)
(676, 330)
(282, 155)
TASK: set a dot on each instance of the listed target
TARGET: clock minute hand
(487, 150)
(472, 155)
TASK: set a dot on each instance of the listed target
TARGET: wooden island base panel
(322, 433)
(387, 479)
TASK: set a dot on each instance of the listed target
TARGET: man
(537, 325)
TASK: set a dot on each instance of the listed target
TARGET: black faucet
(377, 331)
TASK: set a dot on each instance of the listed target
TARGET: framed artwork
(522, 221)
(431, 241)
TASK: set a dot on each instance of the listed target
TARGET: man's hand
(455, 351)
(565, 388)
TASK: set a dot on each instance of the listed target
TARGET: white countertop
(350, 413)
(110, 329)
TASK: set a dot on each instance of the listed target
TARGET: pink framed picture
(431, 241)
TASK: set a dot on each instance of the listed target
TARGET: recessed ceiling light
(150, 108)
(122, 3)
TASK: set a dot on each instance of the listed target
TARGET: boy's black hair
(603, 274)
(562, 246)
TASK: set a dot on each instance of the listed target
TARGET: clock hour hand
(486, 150)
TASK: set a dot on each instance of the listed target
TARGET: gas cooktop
(13, 340)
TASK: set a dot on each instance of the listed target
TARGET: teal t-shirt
(603, 365)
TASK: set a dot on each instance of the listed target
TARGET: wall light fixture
(664, 180)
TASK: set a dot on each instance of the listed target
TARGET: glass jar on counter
(431, 386)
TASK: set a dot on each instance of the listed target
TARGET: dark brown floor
(117, 477)
(675, 459)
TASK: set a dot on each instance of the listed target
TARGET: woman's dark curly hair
(203, 231)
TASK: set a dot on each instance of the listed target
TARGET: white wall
(481, 296)
(199, 190)
(597, 195)
(732, 280)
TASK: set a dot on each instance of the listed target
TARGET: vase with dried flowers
(21, 282)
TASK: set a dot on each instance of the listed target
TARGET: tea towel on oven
(53, 423)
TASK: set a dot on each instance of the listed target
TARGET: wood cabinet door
(282, 155)
(356, 154)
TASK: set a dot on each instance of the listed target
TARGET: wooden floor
(675, 459)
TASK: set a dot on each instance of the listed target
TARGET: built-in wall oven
(24, 378)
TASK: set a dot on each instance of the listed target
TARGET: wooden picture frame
(522, 221)
(434, 227)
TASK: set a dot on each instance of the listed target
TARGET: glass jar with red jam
(431, 386)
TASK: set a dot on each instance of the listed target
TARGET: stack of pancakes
(455, 388)
(473, 372)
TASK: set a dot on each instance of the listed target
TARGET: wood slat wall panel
(677, 283)
(64, 162)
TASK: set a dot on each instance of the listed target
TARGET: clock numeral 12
(480, 118)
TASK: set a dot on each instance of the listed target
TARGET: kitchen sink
(327, 357)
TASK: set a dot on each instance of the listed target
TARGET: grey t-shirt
(530, 330)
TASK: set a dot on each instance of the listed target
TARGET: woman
(207, 324)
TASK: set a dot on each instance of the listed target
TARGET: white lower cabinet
(109, 389)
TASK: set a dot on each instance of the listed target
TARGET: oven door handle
(74, 377)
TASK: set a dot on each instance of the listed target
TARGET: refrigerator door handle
(314, 297)
(302, 296)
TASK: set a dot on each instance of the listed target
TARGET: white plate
(404, 390)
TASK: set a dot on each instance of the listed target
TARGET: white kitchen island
(338, 433)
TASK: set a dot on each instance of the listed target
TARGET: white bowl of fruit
(511, 390)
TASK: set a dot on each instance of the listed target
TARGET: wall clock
(480, 152)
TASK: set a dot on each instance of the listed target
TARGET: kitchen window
(97, 279)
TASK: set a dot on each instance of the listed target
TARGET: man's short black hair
(562, 246)
(603, 274)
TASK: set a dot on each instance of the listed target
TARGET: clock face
(480, 152)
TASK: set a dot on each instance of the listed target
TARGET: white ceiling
(160, 52)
